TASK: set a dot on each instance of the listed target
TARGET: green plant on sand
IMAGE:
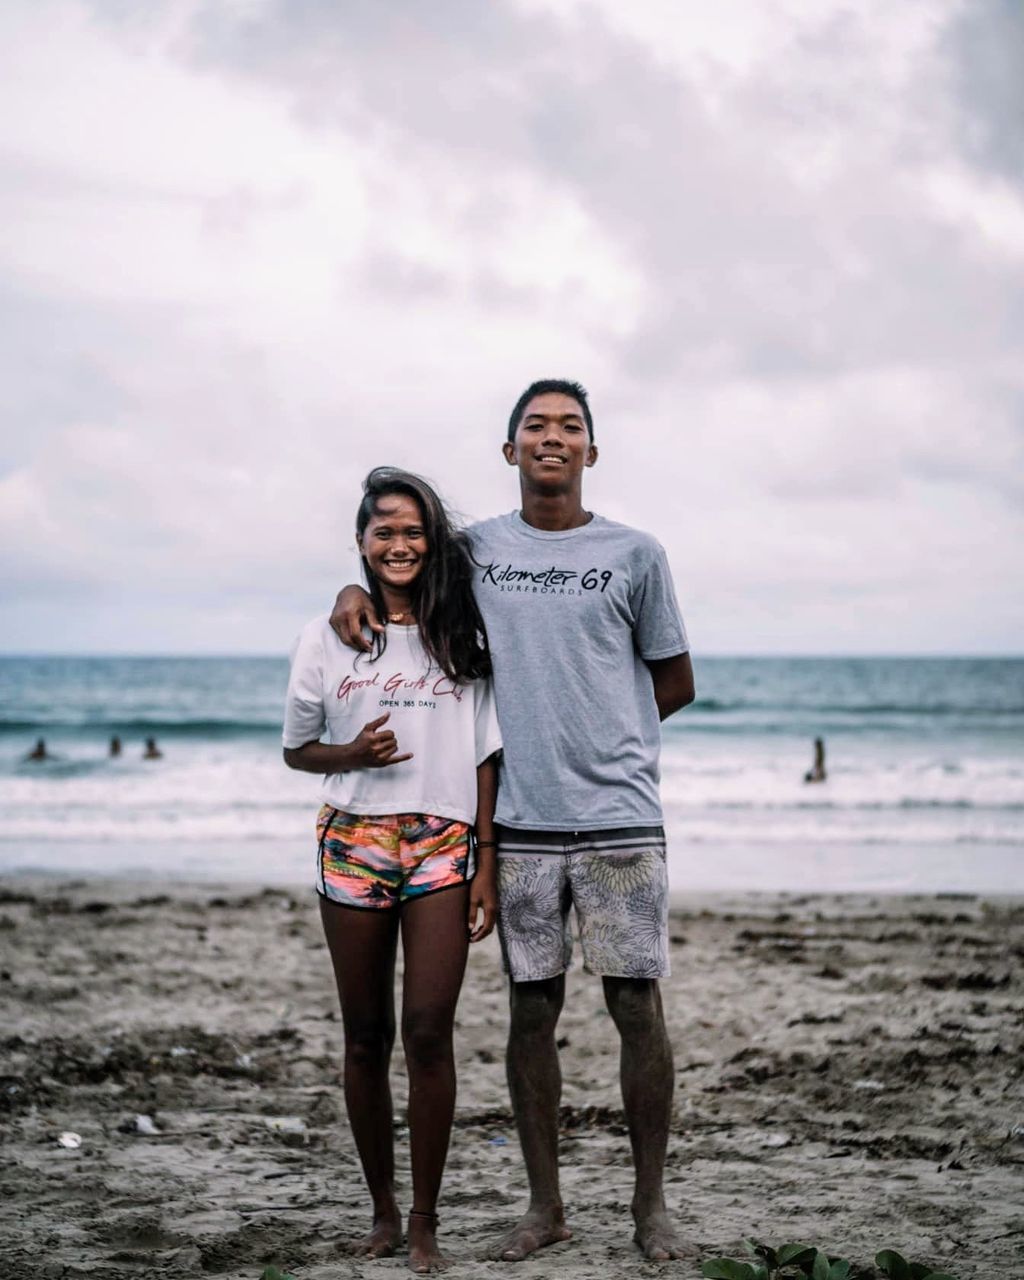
(896, 1267)
(767, 1263)
(272, 1273)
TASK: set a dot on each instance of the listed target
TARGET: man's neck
(554, 513)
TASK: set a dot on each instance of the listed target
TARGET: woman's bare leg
(362, 945)
(435, 939)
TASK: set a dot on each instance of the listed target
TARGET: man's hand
(483, 902)
(375, 748)
(354, 611)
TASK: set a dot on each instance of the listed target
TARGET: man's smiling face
(552, 444)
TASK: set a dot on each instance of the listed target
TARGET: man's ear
(591, 456)
(509, 450)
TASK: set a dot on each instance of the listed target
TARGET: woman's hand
(483, 901)
(353, 611)
(374, 747)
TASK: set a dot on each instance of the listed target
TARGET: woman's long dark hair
(450, 625)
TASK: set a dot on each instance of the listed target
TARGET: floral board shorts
(381, 861)
(616, 880)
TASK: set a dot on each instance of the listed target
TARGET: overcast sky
(252, 248)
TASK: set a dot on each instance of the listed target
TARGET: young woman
(410, 771)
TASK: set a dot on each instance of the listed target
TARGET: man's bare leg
(647, 1081)
(535, 1086)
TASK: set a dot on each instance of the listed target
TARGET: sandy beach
(848, 1071)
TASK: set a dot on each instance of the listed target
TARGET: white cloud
(252, 250)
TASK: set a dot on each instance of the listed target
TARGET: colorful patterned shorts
(617, 881)
(381, 861)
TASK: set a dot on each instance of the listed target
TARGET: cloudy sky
(251, 248)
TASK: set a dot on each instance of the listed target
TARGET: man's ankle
(552, 1209)
(646, 1203)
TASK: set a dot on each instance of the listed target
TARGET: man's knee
(635, 1005)
(535, 1006)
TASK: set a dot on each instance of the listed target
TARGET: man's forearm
(671, 702)
(486, 797)
(673, 683)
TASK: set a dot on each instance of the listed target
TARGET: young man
(589, 652)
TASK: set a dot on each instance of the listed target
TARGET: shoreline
(845, 1066)
(736, 867)
(122, 888)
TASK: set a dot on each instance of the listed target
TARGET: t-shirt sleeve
(304, 716)
(487, 731)
(658, 625)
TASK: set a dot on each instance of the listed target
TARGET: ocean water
(925, 762)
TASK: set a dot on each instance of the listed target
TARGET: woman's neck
(398, 606)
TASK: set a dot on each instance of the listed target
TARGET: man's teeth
(550, 457)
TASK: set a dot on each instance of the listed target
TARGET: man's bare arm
(673, 683)
(353, 612)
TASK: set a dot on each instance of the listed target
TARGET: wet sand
(849, 1071)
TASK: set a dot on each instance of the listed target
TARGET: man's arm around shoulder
(673, 683)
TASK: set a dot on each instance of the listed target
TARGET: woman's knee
(427, 1037)
(369, 1044)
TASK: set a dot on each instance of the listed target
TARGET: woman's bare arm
(483, 892)
(372, 748)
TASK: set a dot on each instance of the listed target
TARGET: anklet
(422, 1213)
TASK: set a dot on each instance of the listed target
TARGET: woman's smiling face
(394, 541)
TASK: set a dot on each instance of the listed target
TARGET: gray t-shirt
(571, 618)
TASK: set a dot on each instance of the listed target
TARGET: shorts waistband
(608, 839)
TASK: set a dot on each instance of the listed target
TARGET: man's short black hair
(545, 387)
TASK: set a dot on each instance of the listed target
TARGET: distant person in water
(115, 746)
(39, 751)
(817, 772)
(152, 751)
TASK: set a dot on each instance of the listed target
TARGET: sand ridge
(848, 1070)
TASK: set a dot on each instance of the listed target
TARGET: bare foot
(536, 1229)
(656, 1236)
(424, 1255)
(382, 1239)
